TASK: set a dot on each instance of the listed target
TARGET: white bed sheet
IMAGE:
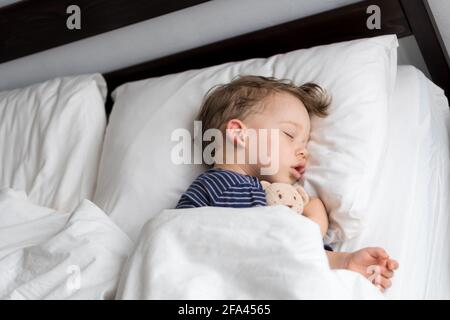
(410, 208)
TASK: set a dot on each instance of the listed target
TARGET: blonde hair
(237, 99)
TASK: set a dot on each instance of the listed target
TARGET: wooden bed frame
(400, 17)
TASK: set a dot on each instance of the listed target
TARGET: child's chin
(290, 180)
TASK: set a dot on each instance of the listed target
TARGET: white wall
(441, 13)
(174, 32)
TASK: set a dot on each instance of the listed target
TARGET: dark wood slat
(31, 26)
(345, 23)
(429, 40)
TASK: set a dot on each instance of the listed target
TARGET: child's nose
(303, 153)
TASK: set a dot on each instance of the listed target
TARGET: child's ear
(235, 131)
(236, 137)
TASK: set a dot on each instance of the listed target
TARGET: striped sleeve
(241, 196)
(195, 196)
(223, 188)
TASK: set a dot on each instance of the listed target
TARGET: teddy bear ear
(303, 194)
(265, 184)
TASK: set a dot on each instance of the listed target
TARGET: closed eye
(289, 135)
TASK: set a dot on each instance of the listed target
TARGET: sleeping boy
(249, 104)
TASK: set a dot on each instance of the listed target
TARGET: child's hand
(361, 260)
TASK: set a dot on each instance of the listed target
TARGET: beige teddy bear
(295, 197)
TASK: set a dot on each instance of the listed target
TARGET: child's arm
(315, 210)
(337, 260)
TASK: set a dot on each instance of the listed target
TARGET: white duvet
(204, 253)
(46, 254)
(227, 253)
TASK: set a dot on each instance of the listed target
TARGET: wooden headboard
(400, 17)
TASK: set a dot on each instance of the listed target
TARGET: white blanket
(46, 254)
(203, 253)
(226, 253)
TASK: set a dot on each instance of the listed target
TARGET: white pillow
(137, 178)
(51, 136)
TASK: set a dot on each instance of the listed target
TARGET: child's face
(287, 113)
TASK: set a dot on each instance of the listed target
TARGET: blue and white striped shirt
(218, 187)
(224, 188)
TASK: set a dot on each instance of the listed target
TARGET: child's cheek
(273, 148)
(275, 142)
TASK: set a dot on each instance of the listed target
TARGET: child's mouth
(299, 171)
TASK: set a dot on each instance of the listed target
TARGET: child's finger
(378, 253)
(392, 264)
(385, 283)
(385, 272)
